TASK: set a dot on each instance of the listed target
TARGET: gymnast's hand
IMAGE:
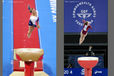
(38, 26)
(28, 7)
(83, 21)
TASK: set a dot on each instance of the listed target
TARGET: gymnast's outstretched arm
(30, 9)
(38, 26)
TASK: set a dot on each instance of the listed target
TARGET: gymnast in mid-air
(33, 21)
(84, 31)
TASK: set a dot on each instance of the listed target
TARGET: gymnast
(33, 21)
(84, 31)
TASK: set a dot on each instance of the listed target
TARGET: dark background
(72, 49)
